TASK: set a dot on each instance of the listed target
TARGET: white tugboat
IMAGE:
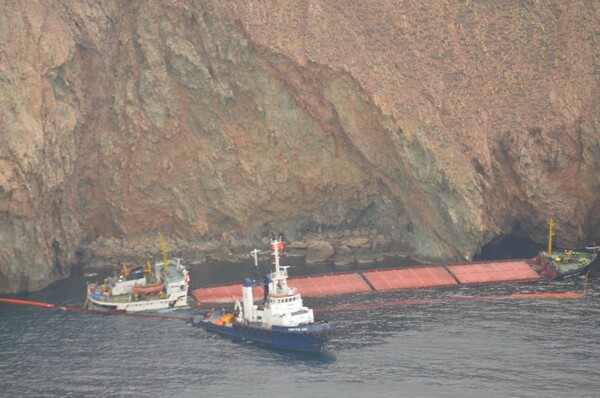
(144, 288)
(281, 321)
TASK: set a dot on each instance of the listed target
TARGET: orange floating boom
(79, 309)
(27, 302)
(540, 295)
(407, 302)
(448, 299)
(339, 308)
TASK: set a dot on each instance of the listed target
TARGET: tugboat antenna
(254, 254)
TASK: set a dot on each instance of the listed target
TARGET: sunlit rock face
(418, 128)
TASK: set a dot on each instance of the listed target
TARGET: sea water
(485, 346)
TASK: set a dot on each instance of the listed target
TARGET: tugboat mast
(275, 246)
(280, 274)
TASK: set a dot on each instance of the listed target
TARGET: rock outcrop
(438, 125)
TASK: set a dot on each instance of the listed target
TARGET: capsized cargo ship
(559, 265)
(424, 276)
(162, 286)
(280, 321)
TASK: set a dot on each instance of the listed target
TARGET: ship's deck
(172, 274)
(566, 267)
(571, 263)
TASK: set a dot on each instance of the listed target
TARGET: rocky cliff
(419, 127)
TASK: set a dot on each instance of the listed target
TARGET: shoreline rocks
(339, 249)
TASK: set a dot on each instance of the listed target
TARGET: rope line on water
(338, 308)
(80, 309)
(328, 309)
(449, 299)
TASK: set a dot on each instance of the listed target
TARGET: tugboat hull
(310, 338)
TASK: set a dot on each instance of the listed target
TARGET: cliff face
(428, 128)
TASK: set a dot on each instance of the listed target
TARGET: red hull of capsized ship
(418, 277)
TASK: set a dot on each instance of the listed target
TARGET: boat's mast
(275, 247)
(550, 235)
(165, 251)
(254, 254)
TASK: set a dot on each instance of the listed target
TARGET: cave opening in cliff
(509, 246)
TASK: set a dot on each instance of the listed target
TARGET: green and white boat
(558, 265)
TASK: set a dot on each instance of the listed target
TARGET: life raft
(147, 289)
